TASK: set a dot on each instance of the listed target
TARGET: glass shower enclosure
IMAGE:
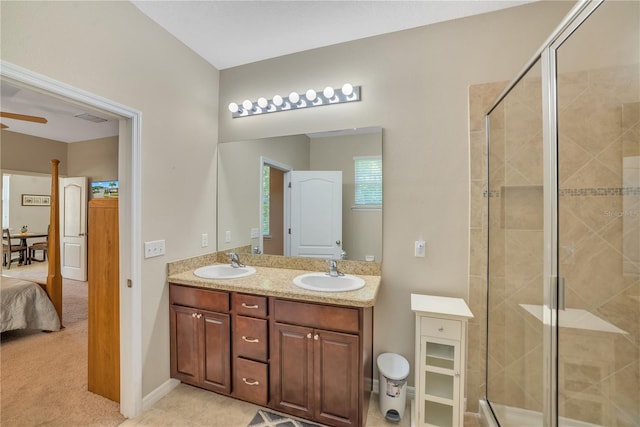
(563, 269)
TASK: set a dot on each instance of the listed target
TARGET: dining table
(23, 242)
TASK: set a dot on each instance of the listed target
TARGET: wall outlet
(205, 240)
(255, 233)
(154, 248)
(227, 236)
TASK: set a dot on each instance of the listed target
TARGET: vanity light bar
(311, 98)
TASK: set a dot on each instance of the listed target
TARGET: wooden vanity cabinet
(250, 348)
(200, 337)
(321, 362)
(306, 359)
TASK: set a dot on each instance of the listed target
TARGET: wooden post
(54, 277)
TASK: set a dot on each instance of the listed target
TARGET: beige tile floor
(188, 406)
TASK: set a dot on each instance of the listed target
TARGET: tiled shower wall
(599, 225)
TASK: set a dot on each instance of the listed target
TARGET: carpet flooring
(44, 375)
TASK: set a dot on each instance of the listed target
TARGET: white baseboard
(160, 392)
(411, 391)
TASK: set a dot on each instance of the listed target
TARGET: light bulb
(277, 100)
(328, 92)
(247, 105)
(262, 102)
(294, 97)
(311, 95)
(347, 89)
(233, 107)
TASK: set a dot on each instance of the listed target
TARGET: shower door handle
(559, 292)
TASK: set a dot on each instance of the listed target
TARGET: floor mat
(269, 419)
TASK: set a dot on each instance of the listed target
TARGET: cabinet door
(185, 364)
(292, 369)
(336, 365)
(440, 381)
(216, 360)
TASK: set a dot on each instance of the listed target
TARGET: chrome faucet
(333, 268)
(235, 260)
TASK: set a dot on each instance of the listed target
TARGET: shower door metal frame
(553, 287)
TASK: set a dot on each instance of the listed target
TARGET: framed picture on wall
(101, 189)
(36, 200)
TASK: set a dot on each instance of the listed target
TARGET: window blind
(368, 181)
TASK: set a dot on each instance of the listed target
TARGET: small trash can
(394, 370)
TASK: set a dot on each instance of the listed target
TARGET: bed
(28, 305)
(25, 305)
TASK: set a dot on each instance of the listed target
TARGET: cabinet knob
(441, 328)
(193, 315)
(316, 337)
(456, 374)
(199, 316)
(309, 335)
(251, 340)
(250, 381)
(253, 307)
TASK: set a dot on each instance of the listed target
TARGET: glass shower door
(598, 89)
(515, 369)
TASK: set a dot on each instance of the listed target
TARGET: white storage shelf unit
(441, 336)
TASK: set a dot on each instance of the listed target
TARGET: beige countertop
(278, 282)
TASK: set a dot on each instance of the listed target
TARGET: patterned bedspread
(25, 305)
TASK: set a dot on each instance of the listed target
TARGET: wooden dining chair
(9, 248)
(39, 246)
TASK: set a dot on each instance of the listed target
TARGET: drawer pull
(216, 322)
(250, 382)
(250, 339)
(253, 307)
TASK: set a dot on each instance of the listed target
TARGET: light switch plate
(419, 248)
(154, 248)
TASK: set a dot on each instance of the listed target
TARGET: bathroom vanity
(263, 340)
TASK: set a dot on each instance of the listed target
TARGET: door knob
(338, 242)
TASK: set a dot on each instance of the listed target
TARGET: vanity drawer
(250, 382)
(249, 305)
(317, 316)
(199, 298)
(443, 328)
(250, 336)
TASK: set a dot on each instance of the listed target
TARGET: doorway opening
(129, 167)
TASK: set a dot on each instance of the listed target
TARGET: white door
(315, 214)
(73, 228)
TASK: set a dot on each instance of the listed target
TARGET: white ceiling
(233, 33)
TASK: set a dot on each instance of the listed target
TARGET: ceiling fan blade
(24, 117)
(3, 126)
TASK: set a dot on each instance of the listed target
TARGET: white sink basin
(223, 271)
(322, 282)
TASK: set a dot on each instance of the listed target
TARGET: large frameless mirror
(312, 195)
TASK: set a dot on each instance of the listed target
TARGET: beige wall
(34, 217)
(141, 66)
(414, 85)
(96, 159)
(31, 154)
